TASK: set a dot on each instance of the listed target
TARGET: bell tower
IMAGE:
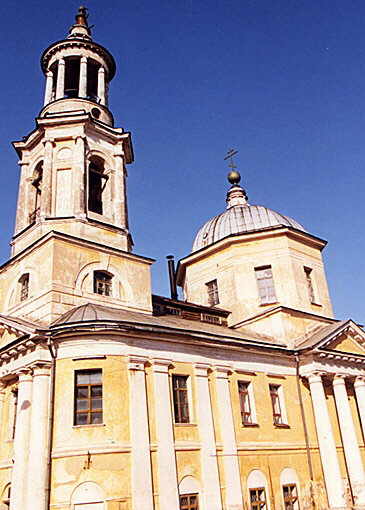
(73, 166)
(72, 215)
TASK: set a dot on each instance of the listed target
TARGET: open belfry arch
(245, 394)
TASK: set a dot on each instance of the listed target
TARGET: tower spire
(80, 29)
(236, 194)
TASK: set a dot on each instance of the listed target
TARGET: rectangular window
(245, 404)
(102, 283)
(13, 412)
(213, 296)
(258, 499)
(276, 404)
(308, 278)
(24, 286)
(290, 495)
(88, 397)
(265, 283)
(189, 502)
(180, 396)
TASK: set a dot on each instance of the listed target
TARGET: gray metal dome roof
(239, 219)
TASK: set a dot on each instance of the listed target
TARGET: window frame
(277, 391)
(89, 411)
(256, 505)
(177, 393)
(311, 291)
(293, 501)
(212, 292)
(252, 421)
(24, 287)
(106, 284)
(265, 300)
(189, 506)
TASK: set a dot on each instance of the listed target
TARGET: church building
(247, 394)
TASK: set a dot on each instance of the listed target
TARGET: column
(101, 85)
(119, 202)
(349, 441)
(38, 444)
(327, 446)
(2, 398)
(22, 210)
(21, 441)
(359, 386)
(230, 459)
(79, 177)
(167, 476)
(83, 77)
(46, 196)
(60, 87)
(142, 491)
(49, 88)
(209, 464)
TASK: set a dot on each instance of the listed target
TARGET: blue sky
(283, 82)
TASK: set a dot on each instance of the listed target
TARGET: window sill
(314, 303)
(244, 425)
(185, 424)
(281, 426)
(88, 425)
(269, 303)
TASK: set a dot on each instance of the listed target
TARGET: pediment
(347, 338)
(13, 328)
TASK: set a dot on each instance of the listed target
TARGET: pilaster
(167, 475)
(21, 441)
(142, 491)
(46, 197)
(22, 210)
(38, 444)
(210, 476)
(49, 88)
(78, 179)
(232, 476)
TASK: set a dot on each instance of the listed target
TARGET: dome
(239, 219)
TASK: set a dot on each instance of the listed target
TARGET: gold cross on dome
(229, 155)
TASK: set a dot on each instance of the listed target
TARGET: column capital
(137, 363)
(101, 69)
(41, 368)
(161, 365)
(79, 137)
(202, 369)
(359, 381)
(61, 61)
(49, 73)
(223, 371)
(24, 374)
(48, 141)
(315, 376)
(83, 60)
(339, 379)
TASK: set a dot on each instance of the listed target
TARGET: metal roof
(240, 219)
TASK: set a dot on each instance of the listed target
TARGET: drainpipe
(309, 459)
(53, 352)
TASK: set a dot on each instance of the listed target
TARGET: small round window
(95, 112)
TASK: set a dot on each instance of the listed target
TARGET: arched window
(257, 490)
(103, 283)
(290, 488)
(97, 183)
(37, 184)
(87, 495)
(189, 493)
(23, 287)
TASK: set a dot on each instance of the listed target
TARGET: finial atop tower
(81, 29)
(236, 195)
